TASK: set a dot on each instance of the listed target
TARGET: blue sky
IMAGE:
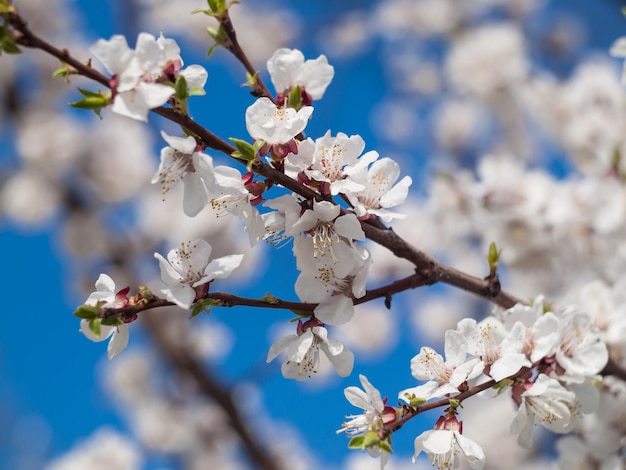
(49, 381)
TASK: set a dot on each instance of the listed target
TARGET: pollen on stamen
(179, 165)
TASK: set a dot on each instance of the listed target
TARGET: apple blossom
(229, 193)
(330, 234)
(499, 349)
(375, 414)
(330, 156)
(545, 400)
(443, 447)
(581, 352)
(542, 328)
(445, 377)
(288, 69)
(182, 161)
(187, 271)
(106, 296)
(302, 358)
(276, 126)
(136, 73)
(378, 192)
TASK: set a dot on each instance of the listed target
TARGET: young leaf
(181, 87)
(245, 151)
(111, 321)
(87, 312)
(94, 326)
(356, 442)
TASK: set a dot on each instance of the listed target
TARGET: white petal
(169, 275)
(372, 393)
(279, 346)
(195, 75)
(348, 226)
(342, 362)
(221, 268)
(358, 398)
(195, 194)
(105, 283)
(182, 295)
(118, 342)
(200, 254)
(114, 54)
(473, 452)
(186, 145)
(326, 211)
(315, 76)
(335, 310)
(398, 194)
(299, 348)
(105, 331)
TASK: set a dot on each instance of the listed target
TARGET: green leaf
(219, 35)
(493, 256)
(504, 383)
(202, 306)
(245, 151)
(181, 87)
(416, 401)
(209, 53)
(197, 91)
(217, 6)
(356, 442)
(384, 445)
(111, 321)
(370, 439)
(251, 80)
(96, 103)
(62, 72)
(87, 312)
(92, 94)
(301, 314)
(9, 47)
(295, 98)
(94, 326)
(269, 298)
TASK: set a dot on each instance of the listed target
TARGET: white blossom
(499, 349)
(444, 377)
(274, 125)
(188, 268)
(443, 448)
(288, 69)
(106, 293)
(581, 352)
(182, 161)
(302, 358)
(379, 192)
(546, 401)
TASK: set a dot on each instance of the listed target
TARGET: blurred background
(492, 106)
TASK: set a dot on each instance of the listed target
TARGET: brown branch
(430, 270)
(183, 361)
(235, 48)
(25, 37)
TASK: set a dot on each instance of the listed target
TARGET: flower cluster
(547, 361)
(141, 76)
